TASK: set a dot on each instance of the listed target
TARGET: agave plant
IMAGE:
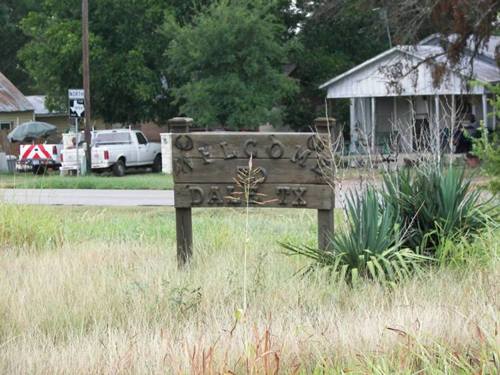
(370, 244)
(435, 205)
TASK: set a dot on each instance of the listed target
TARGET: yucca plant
(436, 205)
(370, 244)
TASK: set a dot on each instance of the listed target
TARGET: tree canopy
(125, 56)
(333, 39)
(229, 65)
(218, 61)
(12, 39)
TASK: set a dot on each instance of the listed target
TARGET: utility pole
(385, 18)
(86, 79)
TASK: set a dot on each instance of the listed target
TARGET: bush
(436, 205)
(481, 250)
(370, 245)
(488, 149)
(29, 228)
(421, 215)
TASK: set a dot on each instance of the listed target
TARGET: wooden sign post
(283, 170)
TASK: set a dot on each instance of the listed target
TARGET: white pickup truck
(117, 150)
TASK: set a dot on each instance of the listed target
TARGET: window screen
(5, 125)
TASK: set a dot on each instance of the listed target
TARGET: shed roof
(11, 99)
(367, 79)
(38, 103)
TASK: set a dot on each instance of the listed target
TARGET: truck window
(141, 139)
(112, 138)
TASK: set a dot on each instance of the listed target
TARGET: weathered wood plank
(210, 146)
(266, 195)
(184, 232)
(325, 229)
(279, 171)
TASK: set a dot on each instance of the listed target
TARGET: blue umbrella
(30, 131)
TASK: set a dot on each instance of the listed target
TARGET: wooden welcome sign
(284, 170)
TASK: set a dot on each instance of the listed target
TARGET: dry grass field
(97, 291)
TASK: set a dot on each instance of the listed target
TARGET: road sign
(76, 103)
(281, 170)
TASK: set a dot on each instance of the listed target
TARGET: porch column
(395, 127)
(394, 112)
(453, 123)
(352, 124)
(485, 110)
(495, 114)
(437, 130)
(373, 125)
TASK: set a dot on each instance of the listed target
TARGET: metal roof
(38, 103)
(483, 68)
(11, 99)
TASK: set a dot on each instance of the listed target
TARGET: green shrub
(478, 250)
(488, 149)
(436, 205)
(369, 246)
(28, 228)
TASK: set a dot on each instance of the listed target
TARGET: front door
(145, 151)
(421, 136)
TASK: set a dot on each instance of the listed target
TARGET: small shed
(396, 100)
(14, 110)
(43, 114)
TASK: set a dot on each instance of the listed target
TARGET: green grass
(97, 290)
(149, 181)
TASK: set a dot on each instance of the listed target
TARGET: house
(397, 101)
(14, 110)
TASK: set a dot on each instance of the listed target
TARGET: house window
(5, 125)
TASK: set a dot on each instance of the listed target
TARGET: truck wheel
(39, 169)
(119, 168)
(157, 164)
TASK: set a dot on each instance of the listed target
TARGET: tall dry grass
(98, 304)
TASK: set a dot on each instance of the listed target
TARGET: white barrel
(3, 163)
(166, 152)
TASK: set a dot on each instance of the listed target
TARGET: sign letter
(196, 195)
(250, 148)
(232, 197)
(283, 192)
(227, 154)
(301, 156)
(183, 165)
(205, 154)
(214, 196)
(276, 150)
(299, 197)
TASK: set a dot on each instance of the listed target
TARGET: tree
(336, 36)
(466, 20)
(12, 39)
(127, 67)
(229, 65)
